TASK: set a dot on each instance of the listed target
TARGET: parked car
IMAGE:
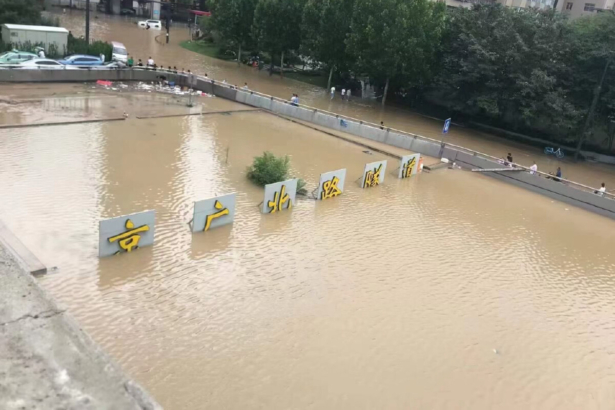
(16, 57)
(45, 63)
(153, 24)
(82, 60)
(128, 12)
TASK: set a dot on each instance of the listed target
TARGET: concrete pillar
(116, 6)
(155, 11)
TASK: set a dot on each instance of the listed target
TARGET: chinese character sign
(373, 174)
(279, 196)
(331, 184)
(125, 234)
(213, 212)
(409, 165)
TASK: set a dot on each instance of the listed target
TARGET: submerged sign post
(409, 165)
(331, 184)
(213, 212)
(126, 233)
(279, 196)
(373, 174)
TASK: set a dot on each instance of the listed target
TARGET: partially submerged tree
(277, 27)
(325, 28)
(233, 20)
(509, 65)
(396, 39)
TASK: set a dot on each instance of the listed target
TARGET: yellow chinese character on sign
(372, 178)
(129, 240)
(279, 199)
(408, 167)
(330, 189)
(221, 212)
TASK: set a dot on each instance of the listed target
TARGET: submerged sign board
(331, 184)
(213, 212)
(126, 233)
(279, 196)
(409, 165)
(373, 174)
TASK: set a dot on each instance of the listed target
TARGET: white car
(44, 63)
(152, 24)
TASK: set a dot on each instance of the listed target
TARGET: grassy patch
(207, 49)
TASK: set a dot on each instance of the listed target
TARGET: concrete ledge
(18, 250)
(47, 361)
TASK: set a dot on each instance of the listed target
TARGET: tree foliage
(233, 20)
(20, 12)
(277, 25)
(509, 64)
(396, 39)
(325, 27)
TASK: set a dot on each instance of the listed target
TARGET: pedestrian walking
(150, 62)
(332, 92)
(131, 61)
(343, 93)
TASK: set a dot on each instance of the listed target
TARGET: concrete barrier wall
(85, 75)
(551, 188)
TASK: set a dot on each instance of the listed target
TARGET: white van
(119, 52)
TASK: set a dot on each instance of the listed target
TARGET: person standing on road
(150, 62)
(332, 92)
(343, 93)
(131, 61)
(533, 168)
(509, 158)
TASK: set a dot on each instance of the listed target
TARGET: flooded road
(391, 298)
(141, 44)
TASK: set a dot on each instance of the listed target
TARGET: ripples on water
(392, 297)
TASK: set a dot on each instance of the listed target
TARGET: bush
(268, 169)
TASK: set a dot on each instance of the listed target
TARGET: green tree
(325, 27)
(591, 56)
(396, 39)
(510, 65)
(277, 27)
(233, 20)
(20, 12)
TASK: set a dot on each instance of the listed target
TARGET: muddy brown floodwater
(389, 298)
(141, 44)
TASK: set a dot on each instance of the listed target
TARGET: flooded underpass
(448, 290)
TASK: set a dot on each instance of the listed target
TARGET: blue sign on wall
(447, 125)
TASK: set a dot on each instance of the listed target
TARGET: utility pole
(87, 21)
(592, 109)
